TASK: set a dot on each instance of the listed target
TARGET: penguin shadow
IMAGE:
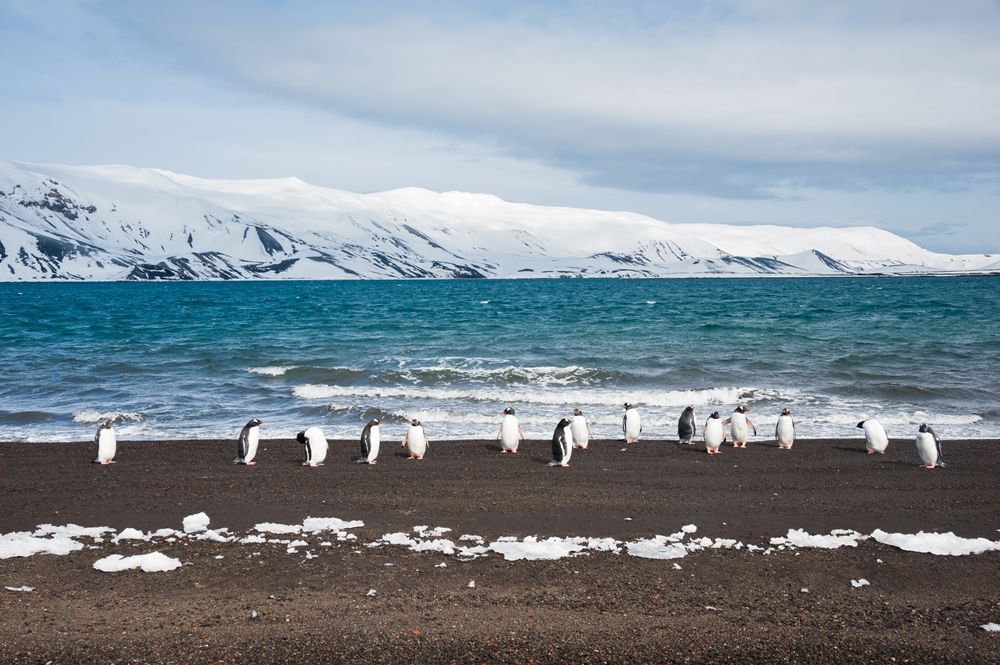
(850, 449)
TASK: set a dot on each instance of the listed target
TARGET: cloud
(731, 100)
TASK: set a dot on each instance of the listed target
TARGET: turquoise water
(195, 360)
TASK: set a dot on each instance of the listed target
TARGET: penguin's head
(577, 412)
(786, 412)
(415, 423)
(301, 437)
(689, 409)
(742, 409)
(107, 425)
(509, 411)
(255, 422)
(715, 414)
(375, 421)
(861, 424)
(924, 428)
(563, 423)
(626, 406)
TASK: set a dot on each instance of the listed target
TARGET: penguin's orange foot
(374, 461)
(250, 463)
(503, 450)
(564, 465)
(871, 452)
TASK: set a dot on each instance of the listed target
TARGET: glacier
(116, 223)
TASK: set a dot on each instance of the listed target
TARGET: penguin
(510, 433)
(106, 444)
(249, 437)
(686, 426)
(562, 443)
(630, 423)
(370, 440)
(784, 431)
(739, 426)
(713, 434)
(876, 440)
(581, 430)
(929, 447)
(415, 441)
(316, 446)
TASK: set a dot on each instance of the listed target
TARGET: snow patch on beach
(318, 524)
(20, 589)
(48, 539)
(154, 562)
(991, 627)
(837, 538)
(942, 544)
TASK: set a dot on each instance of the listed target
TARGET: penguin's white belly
(738, 427)
(568, 446)
(106, 446)
(318, 446)
(714, 434)
(416, 442)
(253, 437)
(632, 425)
(785, 430)
(927, 448)
(374, 439)
(876, 437)
(579, 429)
(509, 437)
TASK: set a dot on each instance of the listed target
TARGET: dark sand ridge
(596, 608)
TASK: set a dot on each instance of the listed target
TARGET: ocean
(199, 359)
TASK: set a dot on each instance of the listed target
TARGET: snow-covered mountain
(125, 223)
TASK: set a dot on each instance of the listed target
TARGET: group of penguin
(570, 433)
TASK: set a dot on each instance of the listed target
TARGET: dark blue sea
(197, 360)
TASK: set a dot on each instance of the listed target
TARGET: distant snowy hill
(125, 223)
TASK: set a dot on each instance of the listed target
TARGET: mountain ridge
(112, 223)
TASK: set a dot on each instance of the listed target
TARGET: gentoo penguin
(784, 431)
(686, 426)
(562, 443)
(510, 433)
(929, 447)
(106, 444)
(370, 440)
(630, 423)
(740, 426)
(315, 444)
(247, 448)
(876, 440)
(415, 441)
(714, 434)
(580, 429)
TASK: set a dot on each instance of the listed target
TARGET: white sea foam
(271, 371)
(117, 417)
(656, 398)
(154, 562)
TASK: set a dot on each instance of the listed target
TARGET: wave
(116, 417)
(654, 398)
(271, 371)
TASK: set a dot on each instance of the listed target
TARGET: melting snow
(152, 562)
(947, 544)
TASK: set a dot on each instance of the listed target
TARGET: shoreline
(597, 607)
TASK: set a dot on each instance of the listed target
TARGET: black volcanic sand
(600, 608)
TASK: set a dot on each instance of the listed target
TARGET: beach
(342, 602)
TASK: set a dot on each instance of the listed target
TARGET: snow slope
(126, 223)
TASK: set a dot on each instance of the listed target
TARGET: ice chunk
(989, 627)
(837, 538)
(129, 534)
(533, 549)
(689, 528)
(371, 593)
(22, 589)
(472, 584)
(857, 584)
(195, 523)
(152, 562)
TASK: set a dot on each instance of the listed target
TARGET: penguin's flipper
(752, 427)
(726, 421)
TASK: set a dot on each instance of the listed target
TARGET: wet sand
(597, 608)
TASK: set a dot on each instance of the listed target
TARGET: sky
(806, 114)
